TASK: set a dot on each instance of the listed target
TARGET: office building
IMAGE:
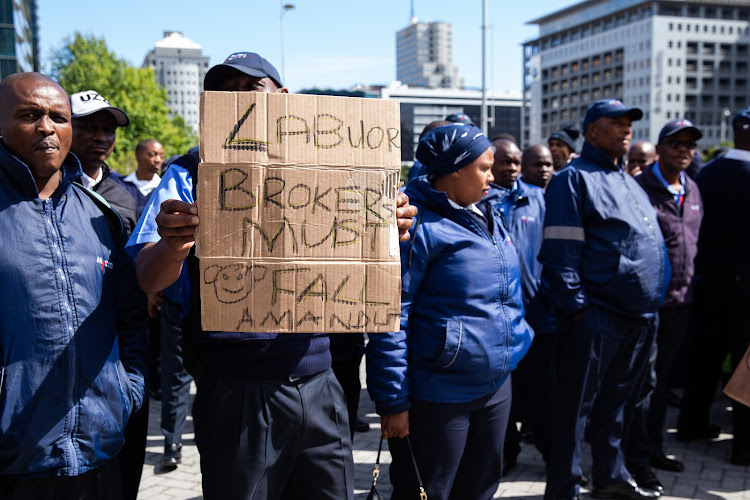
(420, 106)
(180, 66)
(19, 37)
(424, 56)
(672, 59)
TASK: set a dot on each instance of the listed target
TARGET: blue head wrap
(451, 147)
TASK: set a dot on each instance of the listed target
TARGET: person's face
(236, 81)
(537, 167)
(560, 153)
(472, 182)
(35, 125)
(150, 158)
(676, 151)
(640, 157)
(611, 135)
(507, 164)
(94, 138)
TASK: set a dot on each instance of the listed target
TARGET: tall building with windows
(420, 106)
(179, 66)
(424, 56)
(672, 59)
(19, 37)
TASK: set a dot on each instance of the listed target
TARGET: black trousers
(603, 359)
(534, 392)
(347, 350)
(268, 439)
(458, 448)
(722, 310)
(175, 380)
(646, 436)
(101, 483)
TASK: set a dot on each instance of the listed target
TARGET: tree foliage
(85, 63)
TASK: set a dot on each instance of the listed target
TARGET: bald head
(35, 124)
(536, 165)
(507, 164)
(641, 155)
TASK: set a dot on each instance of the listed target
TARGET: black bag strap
(422, 492)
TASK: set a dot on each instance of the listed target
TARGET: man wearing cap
(606, 270)
(722, 291)
(72, 344)
(271, 418)
(641, 155)
(95, 123)
(679, 210)
(562, 145)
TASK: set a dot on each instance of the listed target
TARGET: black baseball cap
(674, 126)
(741, 119)
(568, 135)
(609, 108)
(459, 118)
(249, 63)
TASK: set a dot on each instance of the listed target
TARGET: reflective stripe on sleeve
(574, 233)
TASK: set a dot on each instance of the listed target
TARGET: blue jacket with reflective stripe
(72, 328)
(462, 325)
(602, 241)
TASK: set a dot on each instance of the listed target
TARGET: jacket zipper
(67, 314)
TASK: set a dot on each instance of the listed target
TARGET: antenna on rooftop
(412, 17)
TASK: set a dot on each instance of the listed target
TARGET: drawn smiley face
(233, 282)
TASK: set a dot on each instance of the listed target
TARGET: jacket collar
(19, 174)
(599, 157)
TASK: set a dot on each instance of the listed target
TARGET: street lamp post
(723, 133)
(483, 110)
(285, 7)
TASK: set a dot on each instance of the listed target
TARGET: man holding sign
(272, 420)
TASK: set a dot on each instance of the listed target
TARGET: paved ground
(708, 475)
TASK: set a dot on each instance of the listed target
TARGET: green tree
(85, 63)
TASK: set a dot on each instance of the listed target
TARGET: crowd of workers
(562, 289)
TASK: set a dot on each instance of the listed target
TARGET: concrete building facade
(420, 106)
(19, 37)
(424, 56)
(180, 66)
(685, 59)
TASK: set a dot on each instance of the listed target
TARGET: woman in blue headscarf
(443, 379)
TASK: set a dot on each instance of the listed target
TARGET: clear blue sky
(329, 43)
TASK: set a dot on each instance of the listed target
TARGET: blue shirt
(176, 184)
(677, 194)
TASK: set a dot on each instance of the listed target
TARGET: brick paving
(707, 476)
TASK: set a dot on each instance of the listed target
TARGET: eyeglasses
(676, 144)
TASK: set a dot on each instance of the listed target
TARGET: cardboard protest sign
(297, 213)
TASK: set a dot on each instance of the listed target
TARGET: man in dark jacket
(250, 444)
(679, 209)
(722, 293)
(606, 270)
(72, 341)
(95, 124)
